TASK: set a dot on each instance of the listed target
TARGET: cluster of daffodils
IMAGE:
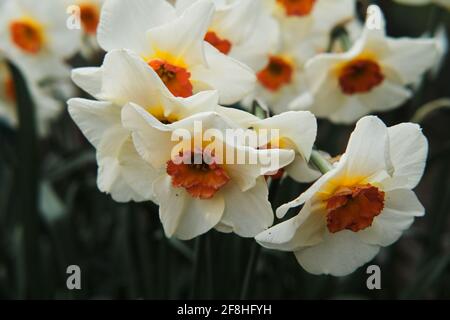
(166, 126)
(39, 39)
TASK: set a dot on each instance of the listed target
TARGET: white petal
(339, 254)
(424, 53)
(408, 152)
(400, 208)
(183, 216)
(114, 154)
(309, 194)
(151, 138)
(94, 118)
(248, 213)
(300, 127)
(199, 216)
(172, 203)
(254, 51)
(123, 24)
(300, 171)
(386, 96)
(367, 148)
(305, 229)
(257, 163)
(127, 78)
(230, 77)
(183, 38)
(89, 79)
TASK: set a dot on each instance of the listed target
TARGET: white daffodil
(202, 187)
(35, 34)
(311, 18)
(363, 203)
(293, 130)
(124, 77)
(444, 3)
(370, 77)
(174, 47)
(242, 29)
(46, 108)
(89, 14)
(305, 32)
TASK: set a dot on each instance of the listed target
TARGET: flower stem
(28, 182)
(256, 248)
(320, 162)
(196, 267)
(251, 266)
(429, 108)
(341, 34)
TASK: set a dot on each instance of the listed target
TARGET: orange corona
(278, 73)
(360, 76)
(222, 45)
(90, 17)
(176, 79)
(354, 208)
(297, 8)
(27, 35)
(201, 181)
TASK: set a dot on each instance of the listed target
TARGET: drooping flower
(123, 78)
(363, 203)
(174, 47)
(370, 77)
(244, 30)
(202, 187)
(35, 34)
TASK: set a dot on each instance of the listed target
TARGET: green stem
(251, 266)
(28, 182)
(320, 162)
(256, 248)
(196, 267)
(341, 34)
(427, 109)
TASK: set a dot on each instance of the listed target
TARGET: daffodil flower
(371, 77)
(174, 47)
(89, 11)
(124, 78)
(363, 203)
(305, 28)
(35, 34)
(244, 30)
(196, 196)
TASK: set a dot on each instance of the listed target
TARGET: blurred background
(52, 216)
